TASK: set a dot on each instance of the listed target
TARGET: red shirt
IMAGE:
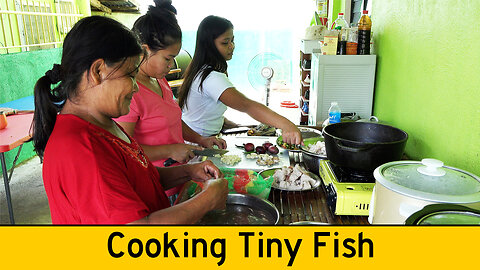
(93, 177)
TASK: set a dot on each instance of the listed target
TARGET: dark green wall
(19, 73)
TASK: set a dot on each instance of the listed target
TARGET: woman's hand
(181, 152)
(291, 135)
(209, 142)
(218, 189)
(203, 171)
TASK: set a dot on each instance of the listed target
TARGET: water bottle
(334, 113)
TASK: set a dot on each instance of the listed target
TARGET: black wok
(363, 146)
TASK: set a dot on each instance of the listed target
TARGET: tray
(269, 172)
(246, 163)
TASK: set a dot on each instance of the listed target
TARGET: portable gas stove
(348, 191)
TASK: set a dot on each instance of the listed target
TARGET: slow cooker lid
(430, 180)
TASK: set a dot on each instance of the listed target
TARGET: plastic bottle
(364, 31)
(341, 25)
(334, 113)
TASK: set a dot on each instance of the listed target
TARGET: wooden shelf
(303, 99)
(304, 84)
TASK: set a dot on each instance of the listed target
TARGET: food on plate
(296, 178)
(317, 148)
(285, 145)
(249, 147)
(264, 159)
(230, 159)
(267, 160)
(262, 130)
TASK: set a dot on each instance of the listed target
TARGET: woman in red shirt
(93, 171)
(155, 119)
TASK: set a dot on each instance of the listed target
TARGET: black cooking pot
(363, 146)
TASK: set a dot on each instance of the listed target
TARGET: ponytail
(91, 38)
(47, 105)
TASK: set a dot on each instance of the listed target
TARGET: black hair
(90, 39)
(158, 28)
(206, 56)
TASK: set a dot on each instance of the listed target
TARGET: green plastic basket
(243, 181)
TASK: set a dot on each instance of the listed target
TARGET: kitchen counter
(295, 206)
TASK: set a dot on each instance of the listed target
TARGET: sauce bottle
(364, 30)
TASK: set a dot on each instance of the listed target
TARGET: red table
(15, 134)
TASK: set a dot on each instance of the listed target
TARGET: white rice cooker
(405, 187)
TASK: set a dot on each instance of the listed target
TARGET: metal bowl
(308, 223)
(243, 209)
(310, 159)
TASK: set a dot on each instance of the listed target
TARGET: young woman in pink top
(155, 119)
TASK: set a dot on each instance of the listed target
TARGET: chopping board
(250, 164)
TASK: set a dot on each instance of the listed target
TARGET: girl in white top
(206, 90)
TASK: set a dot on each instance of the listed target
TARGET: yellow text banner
(285, 247)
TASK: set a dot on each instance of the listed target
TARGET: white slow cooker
(405, 187)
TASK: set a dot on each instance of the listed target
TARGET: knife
(209, 152)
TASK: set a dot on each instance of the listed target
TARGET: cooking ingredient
(264, 159)
(334, 113)
(296, 178)
(249, 147)
(260, 150)
(267, 160)
(364, 31)
(230, 159)
(272, 149)
(317, 148)
(267, 144)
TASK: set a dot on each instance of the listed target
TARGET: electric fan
(266, 68)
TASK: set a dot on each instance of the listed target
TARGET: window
(35, 24)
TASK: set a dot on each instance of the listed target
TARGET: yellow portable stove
(348, 191)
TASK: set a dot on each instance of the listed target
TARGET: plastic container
(3, 120)
(341, 25)
(334, 113)
(352, 40)
(364, 31)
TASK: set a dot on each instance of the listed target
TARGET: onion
(260, 150)
(249, 147)
(272, 149)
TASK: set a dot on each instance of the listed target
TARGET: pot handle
(352, 149)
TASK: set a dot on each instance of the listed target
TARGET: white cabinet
(347, 79)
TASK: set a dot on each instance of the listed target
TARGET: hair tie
(54, 74)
